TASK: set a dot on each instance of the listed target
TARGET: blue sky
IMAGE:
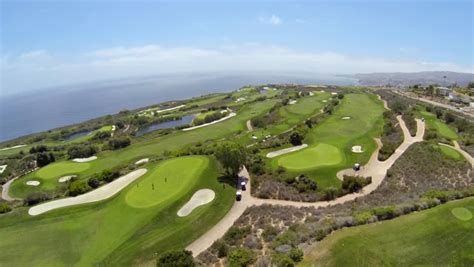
(55, 43)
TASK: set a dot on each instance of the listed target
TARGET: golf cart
(242, 186)
(238, 196)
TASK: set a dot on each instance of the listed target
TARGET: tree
(241, 257)
(43, 159)
(296, 138)
(38, 149)
(118, 143)
(232, 156)
(309, 123)
(296, 254)
(181, 258)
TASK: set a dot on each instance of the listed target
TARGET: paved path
(101, 193)
(249, 126)
(464, 153)
(374, 168)
(6, 188)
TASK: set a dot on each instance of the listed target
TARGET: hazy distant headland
(43, 109)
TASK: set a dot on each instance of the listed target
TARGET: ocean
(45, 109)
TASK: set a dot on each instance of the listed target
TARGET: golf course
(442, 236)
(143, 216)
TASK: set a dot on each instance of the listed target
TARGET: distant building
(443, 90)
(460, 98)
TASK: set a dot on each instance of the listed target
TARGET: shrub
(363, 217)
(296, 138)
(78, 187)
(93, 182)
(235, 234)
(118, 143)
(81, 151)
(282, 260)
(4, 207)
(38, 149)
(296, 254)
(241, 257)
(384, 213)
(182, 258)
(269, 233)
(35, 198)
(221, 248)
(355, 183)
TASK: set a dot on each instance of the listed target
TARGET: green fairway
(310, 158)
(441, 236)
(451, 152)
(330, 141)
(62, 168)
(112, 232)
(165, 182)
(442, 128)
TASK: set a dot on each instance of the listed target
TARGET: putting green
(310, 158)
(462, 214)
(61, 168)
(168, 180)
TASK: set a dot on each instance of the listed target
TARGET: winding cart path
(374, 168)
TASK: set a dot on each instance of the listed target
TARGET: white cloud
(41, 69)
(272, 20)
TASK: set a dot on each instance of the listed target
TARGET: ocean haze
(41, 110)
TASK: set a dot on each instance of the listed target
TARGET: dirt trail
(374, 168)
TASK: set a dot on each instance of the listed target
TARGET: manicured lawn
(310, 158)
(113, 232)
(62, 168)
(165, 182)
(321, 163)
(442, 128)
(450, 152)
(442, 236)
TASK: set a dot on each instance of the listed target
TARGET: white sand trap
(333, 93)
(292, 102)
(33, 183)
(210, 123)
(2, 168)
(346, 118)
(311, 93)
(12, 147)
(286, 151)
(324, 101)
(85, 159)
(145, 160)
(357, 149)
(201, 197)
(66, 178)
(169, 109)
(113, 128)
(98, 194)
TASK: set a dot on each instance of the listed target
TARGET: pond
(77, 135)
(167, 124)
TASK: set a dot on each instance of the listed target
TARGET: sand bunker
(201, 197)
(346, 118)
(101, 193)
(286, 151)
(12, 147)
(333, 93)
(292, 102)
(66, 178)
(85, 159)
(232, 114)
(33, 183)
(357, 149)
(2, 168)
(145, 160)
(311, 93)
(324, 101)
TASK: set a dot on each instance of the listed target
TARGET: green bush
(235, 234)
(182, 258)
(4, 207)
(282, 260)
(296, 254)
(363, 217)
(241, 257)
(355, 183)
(269, 233)
(78, 187)
(221, 248)
(384, 213)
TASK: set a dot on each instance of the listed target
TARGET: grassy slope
(442, 128)
(430, 238)
(365, 124)
(110, 159)
(87, 234)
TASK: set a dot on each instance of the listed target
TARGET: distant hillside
(401, 79)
